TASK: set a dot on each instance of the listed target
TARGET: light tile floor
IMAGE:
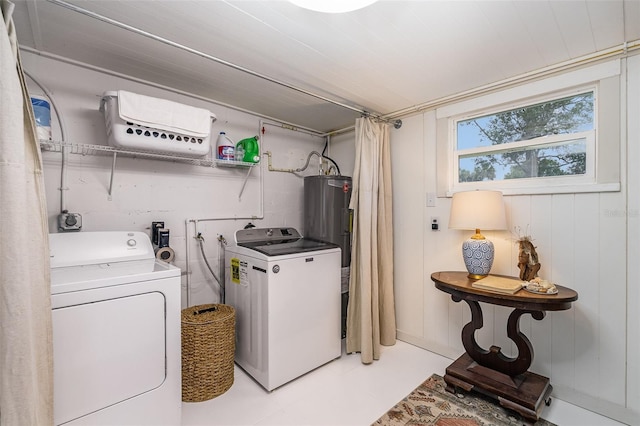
(344, 392)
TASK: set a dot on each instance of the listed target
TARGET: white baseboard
(605, 408)
(429, 346)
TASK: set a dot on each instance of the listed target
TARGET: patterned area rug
(430, 404)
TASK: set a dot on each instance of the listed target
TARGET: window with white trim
(560, 134)
(552, 139)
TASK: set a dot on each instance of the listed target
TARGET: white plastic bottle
(224, 148)
(42, 112)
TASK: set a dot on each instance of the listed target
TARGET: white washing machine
(116, 331)
(286, 292)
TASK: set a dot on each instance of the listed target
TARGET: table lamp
(478, 210)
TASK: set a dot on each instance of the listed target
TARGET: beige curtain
(26, 350)
(371, 319)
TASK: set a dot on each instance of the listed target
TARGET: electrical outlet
(435, 225)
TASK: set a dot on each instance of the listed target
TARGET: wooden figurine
(527, 259)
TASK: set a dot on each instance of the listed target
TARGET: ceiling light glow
(333, 6)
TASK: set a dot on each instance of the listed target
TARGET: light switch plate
(431, 199)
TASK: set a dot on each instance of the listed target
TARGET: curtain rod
(207, 56)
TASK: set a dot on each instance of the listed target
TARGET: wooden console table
(490, 371)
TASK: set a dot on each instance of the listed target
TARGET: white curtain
(371, 319)
(26, 349)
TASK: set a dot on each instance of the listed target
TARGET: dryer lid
(92, 248)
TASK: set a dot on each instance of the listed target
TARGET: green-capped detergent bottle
(251, 149)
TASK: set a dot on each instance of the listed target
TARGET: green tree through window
(564, 116)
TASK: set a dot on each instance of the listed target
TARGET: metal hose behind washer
(222, 292)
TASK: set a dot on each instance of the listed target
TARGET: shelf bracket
(113, 171)
(244, 184)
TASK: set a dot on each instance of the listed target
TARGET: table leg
(493, 373)
(494, 358)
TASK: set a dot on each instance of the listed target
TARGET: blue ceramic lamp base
(478, 257)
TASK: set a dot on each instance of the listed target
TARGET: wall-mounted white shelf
(232, 163)
(87, 149)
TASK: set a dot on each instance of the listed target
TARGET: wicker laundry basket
(208, 347)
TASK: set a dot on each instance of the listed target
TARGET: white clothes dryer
(287, 294)
(116, 331)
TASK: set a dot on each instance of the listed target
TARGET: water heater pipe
(303, 168)
(273, 169)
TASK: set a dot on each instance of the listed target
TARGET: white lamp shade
(478, 210)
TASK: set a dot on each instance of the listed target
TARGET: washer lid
(278, 241)
(290, 246)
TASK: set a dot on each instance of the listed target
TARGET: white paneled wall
(184, 196)
(633, 231)
(585, 241)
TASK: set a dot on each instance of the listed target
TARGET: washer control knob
(269, 232)
(131, 242)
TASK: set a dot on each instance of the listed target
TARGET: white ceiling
(385, 58)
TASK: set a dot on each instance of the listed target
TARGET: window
(559, 134)
(554, 138)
